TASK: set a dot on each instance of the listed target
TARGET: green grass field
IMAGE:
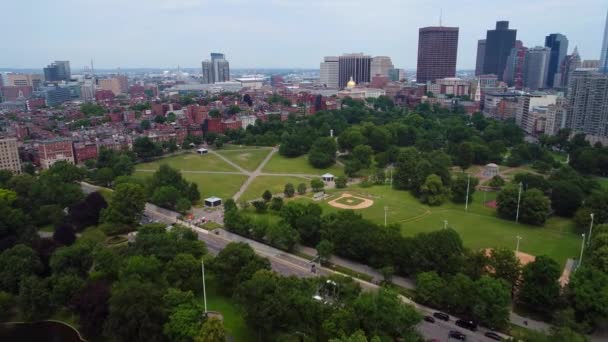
(300, 165)
(190, 162)
(234, 322)
(276, 185)
(478, 228)
(222, 186)
(248, 159)
(603, 182)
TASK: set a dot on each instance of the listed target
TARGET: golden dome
(351, 84)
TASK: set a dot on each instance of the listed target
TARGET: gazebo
(328, 177)
(491, 170)
(202, 151)
(213, 202)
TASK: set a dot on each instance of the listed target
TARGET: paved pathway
(252, 175)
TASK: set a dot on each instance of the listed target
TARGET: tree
(350, 138)
(126, 205)
(64, 234)
(432, 192)
(34, 299)
(491, 302)
(324, 250)
(75, 259)
(165, 196)
(212, 331)
(184, 323)
(276, 203)
(103, 176)
(460, 186)
(317, 185)
(464, 155)
(586, 294)
(301, 189)
(267, 196)
(183, 272)
(505, 265)
(86, 213)
(506, 202)
(429, 288)
(352, 168)
(145, 148)
(341, 182)
(16, 262)
(540, 289)
(145, 125)
(6, 304)
(535, 207)
(496, 182)
(236, 263)
(566, 198)
(289, 190)
(136, 312)
(64, 288)
(322, 154)
(363, 154)
(282, 236)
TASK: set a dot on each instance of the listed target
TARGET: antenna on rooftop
(440, 16)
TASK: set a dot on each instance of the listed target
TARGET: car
(467, 324)
(455, 334)
(442, 316)
(429, 319)
(493, 335)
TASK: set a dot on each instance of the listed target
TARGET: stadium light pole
(466, 205)
(204, 289)
(518, 202)
(580, 259)
(517, 248)
(445, 224)
(385, 215)
(590, 230)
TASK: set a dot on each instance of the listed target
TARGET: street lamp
(580, 260)
(590, 230)
(204, 289)
(385, 214)
(466, 205)
(518, 201)
(517, 248)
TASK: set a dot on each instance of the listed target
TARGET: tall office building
(558, 43)
(217, 69)
(604, 54)
(499, 43)
(381, 66)
(355, 65)
(481, 51)
(587, 103)
(437, 51)
(536, 67)
(570, 63)
(514, 69)
(9, 155)
(329, 72)
(58, 71)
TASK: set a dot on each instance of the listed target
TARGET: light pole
(580, 259)
(517, 248)
(385, 215)
(466, 205)
(590, 230)
(518, 201)
(204, 289)
(445, 224)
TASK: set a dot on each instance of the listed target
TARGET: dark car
(467, 324)
(429, 319)
(458, 335)
(493, 336)
(442, 316)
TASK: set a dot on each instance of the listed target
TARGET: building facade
(58, 71)
(9, 155)
(587, 103)
(571, 63)
(52, 151)
(558, 43)
(481, 51)
(604, 54)
(437, 52)
(514, 69)
(329, 72)
(381, 65)
(216, 70)
(57, 95)
(355, 65)
(499, 43)
(536, 68)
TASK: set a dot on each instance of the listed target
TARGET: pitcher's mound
(349, 201)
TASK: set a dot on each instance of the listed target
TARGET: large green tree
(540, 289)
(433, 192)
(126, 205)
(236, 263)
(460, 186)
(16, 262)
(323, 153)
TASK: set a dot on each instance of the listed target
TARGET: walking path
(252, 175)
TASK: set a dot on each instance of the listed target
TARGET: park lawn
(298, 165)
(190, 162)
(234, 322)
(478, 228)
(241, 147)
(248, 159)
(275, 184)
(209, 184)
(603, 182)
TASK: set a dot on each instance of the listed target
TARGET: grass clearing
(478, 228)
(189, 162)
(276, 185)
(603, 182)
(222, 186)
(248, 159)
(298, 165)
(234, 321)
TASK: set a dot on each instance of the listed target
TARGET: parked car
(467, 324)
(458, 335)
(493, 335)
(442, 316)
(429, 319)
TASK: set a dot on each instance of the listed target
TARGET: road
(289, 264)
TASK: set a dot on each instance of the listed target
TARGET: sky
(272, 33)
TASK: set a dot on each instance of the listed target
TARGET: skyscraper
(437, 51)
(58, 71)
(355, 65)
(216, 70)
(536, 67)
(570, 63)
(481, 51)
(9, 155)
(381, 66)
(604, 54)
(499, 43)
(586, 103)
(558, 43)
(514, 69)
(329, 72)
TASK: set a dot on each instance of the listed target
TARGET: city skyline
(251, 34)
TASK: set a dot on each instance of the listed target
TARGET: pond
(47, 331)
